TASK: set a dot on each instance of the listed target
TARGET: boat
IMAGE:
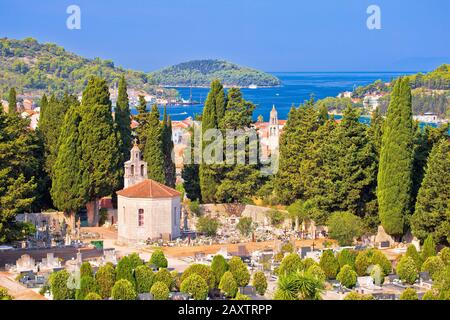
(253, 86)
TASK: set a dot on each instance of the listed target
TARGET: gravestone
(304, 251)
(25, 263)
(382, 236)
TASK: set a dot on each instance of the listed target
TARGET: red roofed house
(146, 209)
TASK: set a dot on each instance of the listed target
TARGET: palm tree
(299, 286)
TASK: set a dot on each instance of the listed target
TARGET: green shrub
(411, 251)
(123, 290)
(240, 271)
(344, 227)
(87, 284)
(347, 276)
(377, 274)
(445, 255)
(208, 226)
(194, 207)
(329, 264)
(276, 217)
(203, 271)
(433, 265)
(409, 294)
(58, 286)
(164, 276)
(105, 279)
(228, 285)
(86, 270)
(287, 248)
(240, 296)
(158, 259)
(218, 266)
(358, 296)
(144, 278)
(406, 270)
(195, 286)
(308, 262)
(347, 257)
(160, 291)
(93, 296)
(316, 271)
(290, 263)
(260, 282)
(379, 258)
(4, 295)
(362, 263)
(176, 280)
(430, 295)
(125, 268)
(428, 248)
(245, 226)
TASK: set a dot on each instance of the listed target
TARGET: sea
(296, 87)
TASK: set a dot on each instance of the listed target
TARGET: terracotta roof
(148, 189)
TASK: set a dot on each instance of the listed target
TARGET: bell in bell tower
(135, 168)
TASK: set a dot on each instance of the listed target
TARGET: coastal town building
(147, 210)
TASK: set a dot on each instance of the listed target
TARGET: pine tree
(18, 167)
(348, 166)
(396, 160)
(432, 212)
(123, 120)
(237, 182)
(99, 145)
(68, 192)
(12, 101)
(154, 149)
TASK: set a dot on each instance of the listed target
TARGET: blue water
(295, 89)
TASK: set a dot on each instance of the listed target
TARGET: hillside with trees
(37, 68)
(200, 73)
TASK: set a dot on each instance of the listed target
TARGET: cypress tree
(123, 120)
(431, 216)
(296, 150)
(99, 145)
(169, 165)
(376, 129)
(190, 172)
(154, 148)
(142, 118)
(396, 160)
(68, 192)
(213, 111)
(12, 101)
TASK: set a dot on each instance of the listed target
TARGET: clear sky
(272, 35)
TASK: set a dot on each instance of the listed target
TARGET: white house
(146, 209)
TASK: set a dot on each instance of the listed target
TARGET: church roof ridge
(148, 188)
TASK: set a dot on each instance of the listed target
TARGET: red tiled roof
(148, 189)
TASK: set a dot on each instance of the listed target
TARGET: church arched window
(141, 217)
(142, 170)
(132, 170)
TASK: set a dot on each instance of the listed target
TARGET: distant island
(200, 73)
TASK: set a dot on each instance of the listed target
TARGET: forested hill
(33, 67)
(200, 73)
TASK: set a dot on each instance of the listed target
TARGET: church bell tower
(135, 168)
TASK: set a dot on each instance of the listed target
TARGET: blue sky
(272, 35)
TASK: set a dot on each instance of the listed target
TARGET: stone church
(146, 209)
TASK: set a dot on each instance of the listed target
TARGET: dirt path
(16, 290)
